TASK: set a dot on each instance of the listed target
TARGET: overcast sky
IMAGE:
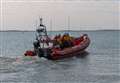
(83, 14)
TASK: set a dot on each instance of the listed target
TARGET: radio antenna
(68, 23)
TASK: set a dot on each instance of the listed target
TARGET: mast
(51, 25)
(41, 23)
(68, 24)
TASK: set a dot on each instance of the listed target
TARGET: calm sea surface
(101, 65)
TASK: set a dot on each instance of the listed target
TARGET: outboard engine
(46, 52)
(36, 44)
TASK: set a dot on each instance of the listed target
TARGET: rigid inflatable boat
(71, 51)
(79, 45)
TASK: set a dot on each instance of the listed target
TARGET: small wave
(12, 65)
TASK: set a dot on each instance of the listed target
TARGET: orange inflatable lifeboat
(80, 44)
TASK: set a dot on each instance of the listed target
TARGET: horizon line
(61, 30)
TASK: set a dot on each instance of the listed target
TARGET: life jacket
(66, 38)
(59, 40)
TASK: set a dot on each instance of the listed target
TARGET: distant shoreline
(58, 31)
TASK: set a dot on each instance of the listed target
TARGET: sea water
(101, 65)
